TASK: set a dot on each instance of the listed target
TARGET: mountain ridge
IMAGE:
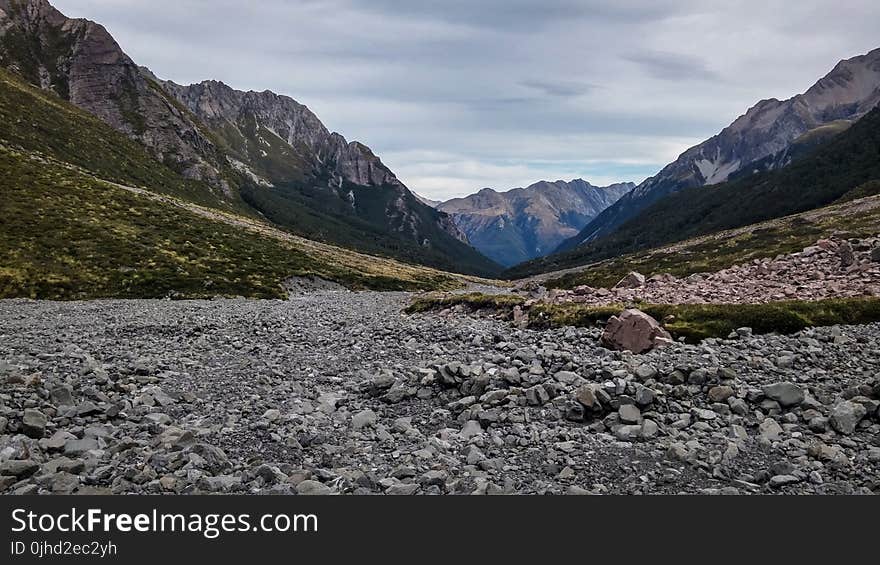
(523, 223)
(846, 166)
(848, 92)
(325, 181)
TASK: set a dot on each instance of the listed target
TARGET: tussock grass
(475, 300)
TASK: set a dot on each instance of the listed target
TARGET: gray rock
(644, 396)
(632, 280)
(845, 416)
(780, 481)
(846, 254)
(537, 395)
(635, 331)
(650, 429)
(470, 429)
(80, 446)
(720, 393)
(215, 459)
(64, 483)
(363, 419)
(19, 468)
(402, 489)
(313, 488)
(629, 414)
(58, 440)
(62, 395)
(769, 429)
(786, 394)
(33, 423)
(586, 395)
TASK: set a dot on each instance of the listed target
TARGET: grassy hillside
(66, 235)
(38, 122)
(848, 162)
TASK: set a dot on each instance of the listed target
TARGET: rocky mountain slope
(259, 150)
(847, 93)
(524, 223)
(845, 167)
(77, 222)
(80, 62)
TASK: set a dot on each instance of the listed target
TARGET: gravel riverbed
(338, 392)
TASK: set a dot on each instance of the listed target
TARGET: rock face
(275, 141)
(265, 129)
(524, 223)
(79, 60)
(848, 92)
(635, 331)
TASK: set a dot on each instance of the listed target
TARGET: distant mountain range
(524, 223)
(848, 92)
(259, 152)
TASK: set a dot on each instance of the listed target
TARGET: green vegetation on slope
(33, 120)
(695, 322)
(328, 214)
(474, 300)
(849, 161)
(36, 121)
(65, 235)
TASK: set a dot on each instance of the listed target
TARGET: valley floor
(339, 392)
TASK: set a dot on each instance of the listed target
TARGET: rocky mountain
(844, 167)
(524, 223)
(79, 61)
(847, 93)
(262, 151)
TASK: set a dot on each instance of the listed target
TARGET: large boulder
(875, 254)
(635, 331)
(632, 280)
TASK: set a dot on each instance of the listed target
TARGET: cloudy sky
(463, 94)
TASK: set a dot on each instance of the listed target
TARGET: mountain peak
(524, 223)
(846, 93)
(233, 141)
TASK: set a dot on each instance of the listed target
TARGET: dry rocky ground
(337, 392)
(829, 269)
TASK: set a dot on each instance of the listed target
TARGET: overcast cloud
(463, 94)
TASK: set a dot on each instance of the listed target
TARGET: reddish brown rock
(635, 331)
